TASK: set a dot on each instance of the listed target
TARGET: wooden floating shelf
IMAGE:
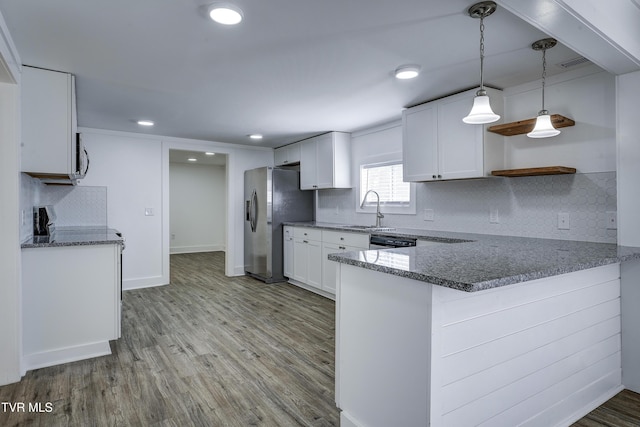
(548, 170)
(526, 126)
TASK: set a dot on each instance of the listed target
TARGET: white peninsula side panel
(71, 298)
(538, 353)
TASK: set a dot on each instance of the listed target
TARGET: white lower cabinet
(288, 252)
(305, 256)
(307, 249)
(71, 303)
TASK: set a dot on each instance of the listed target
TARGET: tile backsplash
(74, 205)
(526, 206)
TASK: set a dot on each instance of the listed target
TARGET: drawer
(307, 233)
(358, 240)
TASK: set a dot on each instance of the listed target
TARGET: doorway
(197, 201)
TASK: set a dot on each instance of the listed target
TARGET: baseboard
(347, 421)
(66, 355)
(145, 282)
(571, 419)
(312, 289)
(195, 249)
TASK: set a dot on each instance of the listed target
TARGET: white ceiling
(290, 70)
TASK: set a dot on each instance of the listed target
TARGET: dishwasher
(377, 241)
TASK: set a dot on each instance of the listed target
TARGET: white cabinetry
(288, 252)
(51, 148)
(307, 259)
(336, 242)
(438, 145)
(71, 302)
(325, 161)
(287, 155)
(305, 256)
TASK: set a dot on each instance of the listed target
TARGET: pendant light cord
(544, 73)
(482, 53)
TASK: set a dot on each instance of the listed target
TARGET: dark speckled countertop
(75, 236)
(478, 261)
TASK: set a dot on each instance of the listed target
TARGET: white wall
(589, 100)
(526, 206)
(131, 169)
(197, 207)
(135, 170)
(10, 259)
(628, 112)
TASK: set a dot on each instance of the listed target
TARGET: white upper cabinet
(51, 148)
(325, 161)
(287, 155)
(438, 145)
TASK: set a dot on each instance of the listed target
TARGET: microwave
(78, 170)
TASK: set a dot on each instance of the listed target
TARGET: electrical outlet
(494, 218)
(612, 220)
(563, 221)
(173, 236)
(148, 211)
(429, 215)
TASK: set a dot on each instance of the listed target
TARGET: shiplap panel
(471, 388)
(528, 396)
(582, 401)
(471, 305)
(594, 381)
(467, 334)
(464, 364)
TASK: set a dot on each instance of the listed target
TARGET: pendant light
(481, 111)
(543, 128)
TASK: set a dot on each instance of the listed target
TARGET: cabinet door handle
(305, 241)
(439, 176)
(433, 176)
(341, 247)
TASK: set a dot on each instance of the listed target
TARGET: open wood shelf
(548, 170)
(526, 126)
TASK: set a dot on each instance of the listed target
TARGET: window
(396, 196)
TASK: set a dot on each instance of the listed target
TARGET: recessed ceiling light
(255, 136)
(407, 72)
(225, 13)
(145, 123)
(209, 153)
(191, 159)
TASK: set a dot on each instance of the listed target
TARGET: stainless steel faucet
(379, 215)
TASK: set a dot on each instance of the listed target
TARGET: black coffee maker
(44, 218)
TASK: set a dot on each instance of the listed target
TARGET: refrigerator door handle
(253, 214)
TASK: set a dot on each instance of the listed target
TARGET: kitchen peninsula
(72, 294)
(495, 331)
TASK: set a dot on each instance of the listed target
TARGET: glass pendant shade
(481, 112)
(543, 127)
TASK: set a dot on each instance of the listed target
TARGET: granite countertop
(478, 261)
(75, 236)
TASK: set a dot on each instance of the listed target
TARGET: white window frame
(384, 160)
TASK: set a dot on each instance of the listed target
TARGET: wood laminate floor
(209, 350)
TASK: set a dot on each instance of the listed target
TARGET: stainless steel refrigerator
(272, 196)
